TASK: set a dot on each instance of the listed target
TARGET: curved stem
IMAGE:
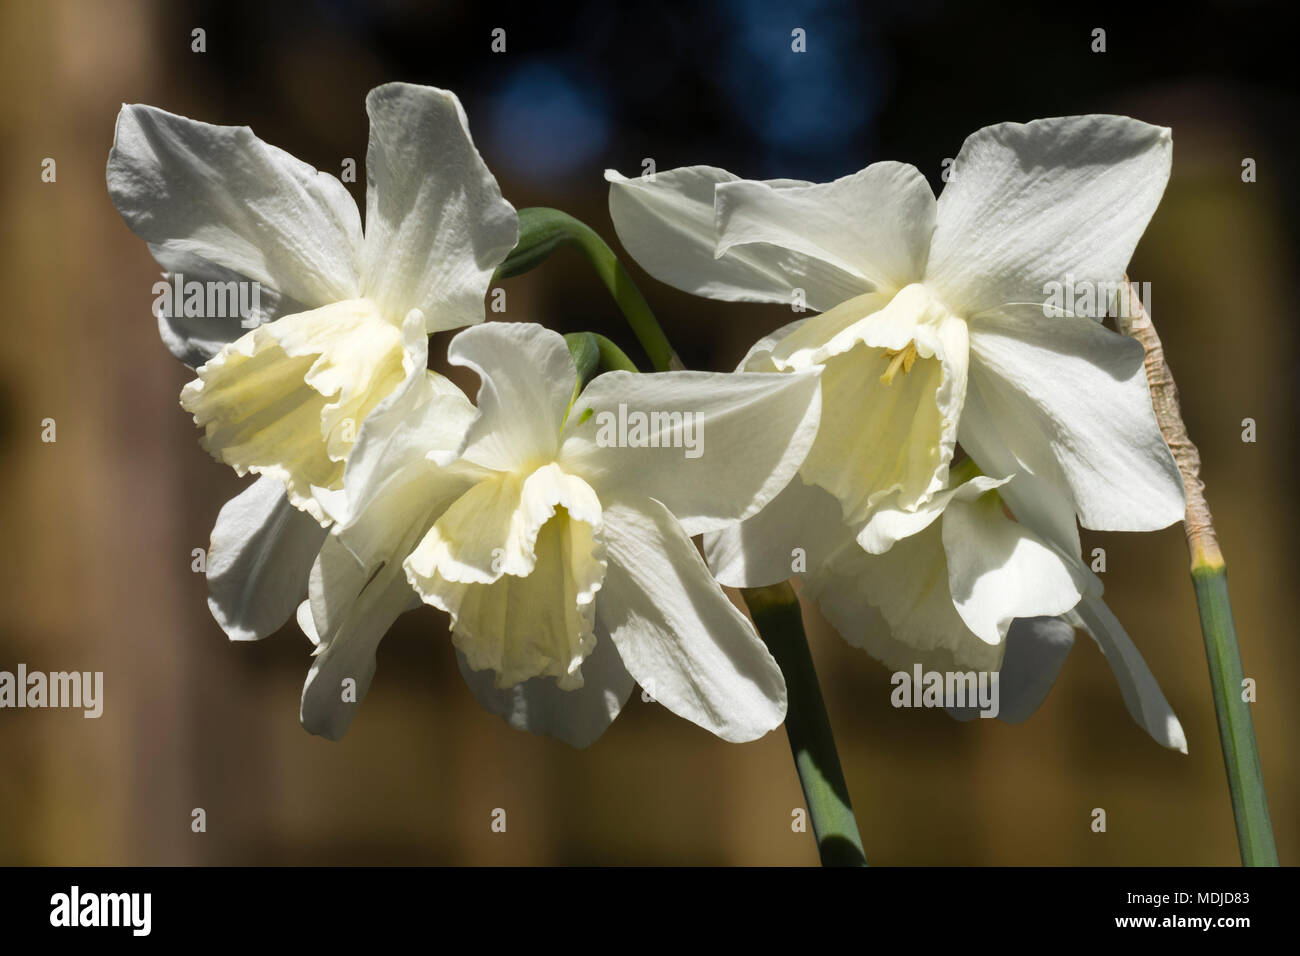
(1210, 581)
(612, 358)
(777, 615)
(542, 231)
(592, 354)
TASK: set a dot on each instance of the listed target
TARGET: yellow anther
(903, 358)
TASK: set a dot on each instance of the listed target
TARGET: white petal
(874, 224)
(289, 397)
(528, 379)
(522, 623)
(352, 608)
(1034, 203)
(404, 496)
(516, 562)
(359, 584)
(1143, 698)
(1070, 400)
(194, 339)
(261, 553)
(436, 225)
(539, 706)
(999, 570)
(714, 447)
(223, 195)
(677, 633)
(414, 432)
(759, 356)
(908, 586)
(1042, 506)
(832, 333)
(886, 432)
(489, 531)
(492, 529)
(393, 493)
(668, 225)
(306, 622)
(890, 522)
(1036, 650)
(799, 529)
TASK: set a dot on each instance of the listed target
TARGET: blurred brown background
(98, 527)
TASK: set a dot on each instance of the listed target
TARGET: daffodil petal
(909, 588)
(516, 561)
(874, 224)
(487, 532)
(578, 717)
(1070, 400)
(676, 632)
(890, 522)
(999, 570)
(261, 554)
(393, 494)
(1143, 698)
(528, 379)
(1041, 202)
(398, 510)
(759, 356)
(889, 440)
(194, 339)
(1036, 651)
(536, 624)
(832, 333)
(288, 398)
(492, 529)
(798, 529)
(436, 224)
(413, 433)
(713, 447)
(667, 223)
(223, 195)
(1041, 503)
(351, 609)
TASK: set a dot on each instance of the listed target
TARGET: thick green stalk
(776, 613)
(1236, 728)
(542, 231)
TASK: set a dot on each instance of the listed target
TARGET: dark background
(98, 527)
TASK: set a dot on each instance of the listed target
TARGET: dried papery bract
(1210, 580)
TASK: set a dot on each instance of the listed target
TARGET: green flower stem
(592, 354)
(1210, 581)
(776, 613)
(542, 231)
(1236, 729)
(586, 359)
(612, 358)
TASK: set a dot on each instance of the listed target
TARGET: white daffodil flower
(346, 309)
(556, 534)
(965, 587)
(933, 328)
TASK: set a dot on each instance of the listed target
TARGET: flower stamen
(903, 358)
